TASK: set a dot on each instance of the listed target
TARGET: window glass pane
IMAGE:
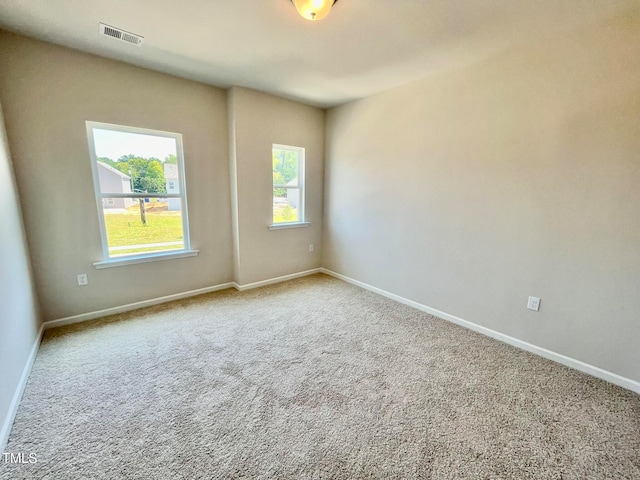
(285, 167)
(135, 226)
(134, 162)
(285, 204)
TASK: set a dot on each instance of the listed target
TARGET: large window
(138, 176)
(288, 185)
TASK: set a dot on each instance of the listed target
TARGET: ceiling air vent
(119, 34)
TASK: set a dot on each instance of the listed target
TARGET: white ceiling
(362, 47)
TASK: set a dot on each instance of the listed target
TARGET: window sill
(280, 226)
(151, 257)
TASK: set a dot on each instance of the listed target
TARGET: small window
(140, 214)
(288, 185)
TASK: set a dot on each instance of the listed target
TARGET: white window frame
(109, 261)
(301, 187)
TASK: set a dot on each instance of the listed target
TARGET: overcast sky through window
(113, 145)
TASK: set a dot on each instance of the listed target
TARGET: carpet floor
(310, 379)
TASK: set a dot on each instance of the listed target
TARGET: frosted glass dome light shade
(313, 9)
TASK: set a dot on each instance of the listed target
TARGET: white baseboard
(270, 281)
(133, 306)
(17, 396)
(83, 317)
(543, 352)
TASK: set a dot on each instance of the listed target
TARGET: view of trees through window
(287, 189)
(138, 183)
(147, 174)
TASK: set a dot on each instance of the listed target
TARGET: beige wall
(48, 93)
(518, 176)
(257, 122)
(19, 319)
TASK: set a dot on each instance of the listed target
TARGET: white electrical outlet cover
(534, 304)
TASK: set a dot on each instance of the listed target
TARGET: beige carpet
(311, 379)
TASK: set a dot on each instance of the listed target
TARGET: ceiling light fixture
(313, 9)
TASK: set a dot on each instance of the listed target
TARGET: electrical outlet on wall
(83, 279)
(533, 304)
